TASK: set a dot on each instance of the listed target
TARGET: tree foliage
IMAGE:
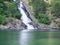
(40, 7)
(8, 8)
(43, 18)
(2, 19)
(56, 9)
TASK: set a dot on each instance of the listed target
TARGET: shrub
(43, 18)
(2, 19)
(56, 9)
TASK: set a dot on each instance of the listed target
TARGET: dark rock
(23, 25)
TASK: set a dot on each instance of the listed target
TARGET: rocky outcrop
(19, 25)
(13, 24)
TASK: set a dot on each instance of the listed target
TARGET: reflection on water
(25, 37)
(29, 37)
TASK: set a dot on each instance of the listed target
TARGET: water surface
(29, 37)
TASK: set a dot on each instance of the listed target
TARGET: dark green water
(25, 37)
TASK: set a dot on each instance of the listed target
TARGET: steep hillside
(46, 11)
(42, 12)
(8, 9)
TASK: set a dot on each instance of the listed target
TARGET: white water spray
(24, 17)
(14, 0)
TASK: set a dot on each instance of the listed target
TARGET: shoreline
(23, 28)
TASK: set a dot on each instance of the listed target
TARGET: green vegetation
(46, 13)
(43, 18)
(56, 8)
(8, 8)
(2, 19)
(56, 11)
(40, 7)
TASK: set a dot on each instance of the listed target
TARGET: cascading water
(14, 0)
(24, 35)
(24, 17)
(24, 38)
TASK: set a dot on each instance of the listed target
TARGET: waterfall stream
(24, 16)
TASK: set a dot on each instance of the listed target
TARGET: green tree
(2, 19)
(2, 8)
(56, 9)
(8, 8)
(43, 18)
(39, 5)
(12, 10)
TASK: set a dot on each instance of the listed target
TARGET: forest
(44, 12)
(8, 9)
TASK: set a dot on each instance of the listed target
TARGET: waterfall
(24, 16)
(14, 0)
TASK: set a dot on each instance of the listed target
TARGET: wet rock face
(18, 25)
(23, 25)
(15, 24)
(27, 13)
